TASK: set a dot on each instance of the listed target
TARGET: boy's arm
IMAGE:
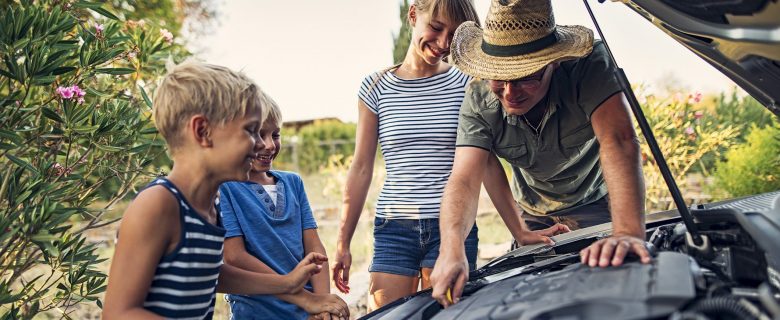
(239, 281)
(237, 256)
(320, 282)
(138, 251)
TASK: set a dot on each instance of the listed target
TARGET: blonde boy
(168, 258)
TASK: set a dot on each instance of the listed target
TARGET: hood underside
(741, 38)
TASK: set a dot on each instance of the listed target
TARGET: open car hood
(741, 38)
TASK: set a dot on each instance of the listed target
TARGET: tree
(404, 36)
(75, 116)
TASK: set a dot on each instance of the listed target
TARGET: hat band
(518, 49)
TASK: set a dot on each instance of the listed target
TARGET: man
(554, 111)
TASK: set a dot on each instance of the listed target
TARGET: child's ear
(412, 15)
(200, 129)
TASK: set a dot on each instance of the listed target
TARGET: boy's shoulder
(153, 205)
(287, 174)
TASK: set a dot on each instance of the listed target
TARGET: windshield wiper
(682, 208)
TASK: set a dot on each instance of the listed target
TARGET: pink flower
(65, 92)
(71, 92)
(131, 54)
(689, 131)
(98, 28)
(76, 90)
(694, 97)
(167, 35)
(80, 101)
(698, 114)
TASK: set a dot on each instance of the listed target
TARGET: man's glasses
(530, 82)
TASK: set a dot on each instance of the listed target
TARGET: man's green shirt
(560, 168)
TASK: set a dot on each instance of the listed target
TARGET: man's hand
(612, 251)
(309, 266)
(542, 236)
(341, 269)
(448, 278)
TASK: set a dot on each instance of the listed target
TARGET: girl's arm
(149, 227)
(355, 190)
(500, 193)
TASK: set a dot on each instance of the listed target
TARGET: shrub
(686, 132)
(753, 167)
(74, 119)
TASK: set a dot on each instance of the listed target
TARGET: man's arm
(500, 194)
(458, 213)
(619, 156)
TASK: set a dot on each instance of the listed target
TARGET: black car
(713, 261)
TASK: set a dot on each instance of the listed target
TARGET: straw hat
(520, 38)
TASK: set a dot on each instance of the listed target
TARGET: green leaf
(108, 148)
(105, 13)
(87, 4)
(22, 163)
(7, 146)
(146, 97)
(7, 74)
(49, 113)
(44, 81)
(149, 130)
(10, 135)
(62, 70)
(85, 129)
(115, 71)
(95, 92)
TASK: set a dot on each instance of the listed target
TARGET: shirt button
(266, 200)
(272, 208)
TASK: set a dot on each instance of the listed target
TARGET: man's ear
(200, 129)
(412, 15)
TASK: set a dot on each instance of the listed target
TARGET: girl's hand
(341, 269)
(309, 266)
(542, 236)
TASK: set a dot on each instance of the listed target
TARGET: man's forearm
(623, 175)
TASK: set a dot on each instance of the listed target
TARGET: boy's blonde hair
(218, 93)
(273, 112)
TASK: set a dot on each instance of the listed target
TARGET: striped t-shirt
(418, 122)
(185, 281)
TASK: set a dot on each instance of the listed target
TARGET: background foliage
(75, 132)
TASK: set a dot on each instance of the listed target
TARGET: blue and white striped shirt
(418, 122)
(185, 281)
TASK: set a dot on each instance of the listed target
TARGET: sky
(311, 55)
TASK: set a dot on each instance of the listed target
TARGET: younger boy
(270, 228)
(168, 258)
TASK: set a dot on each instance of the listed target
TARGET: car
(711, 261)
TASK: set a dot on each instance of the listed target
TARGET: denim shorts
(404, 246)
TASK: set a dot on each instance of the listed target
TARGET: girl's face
(431, 37)
(271, 141)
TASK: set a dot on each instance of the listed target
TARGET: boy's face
(268, 146)
(235, 146)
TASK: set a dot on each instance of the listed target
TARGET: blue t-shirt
(272, 233)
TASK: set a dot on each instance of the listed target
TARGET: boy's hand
(309, 266)
(326, 307)
(341, 269)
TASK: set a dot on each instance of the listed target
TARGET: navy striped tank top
(185, 281)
